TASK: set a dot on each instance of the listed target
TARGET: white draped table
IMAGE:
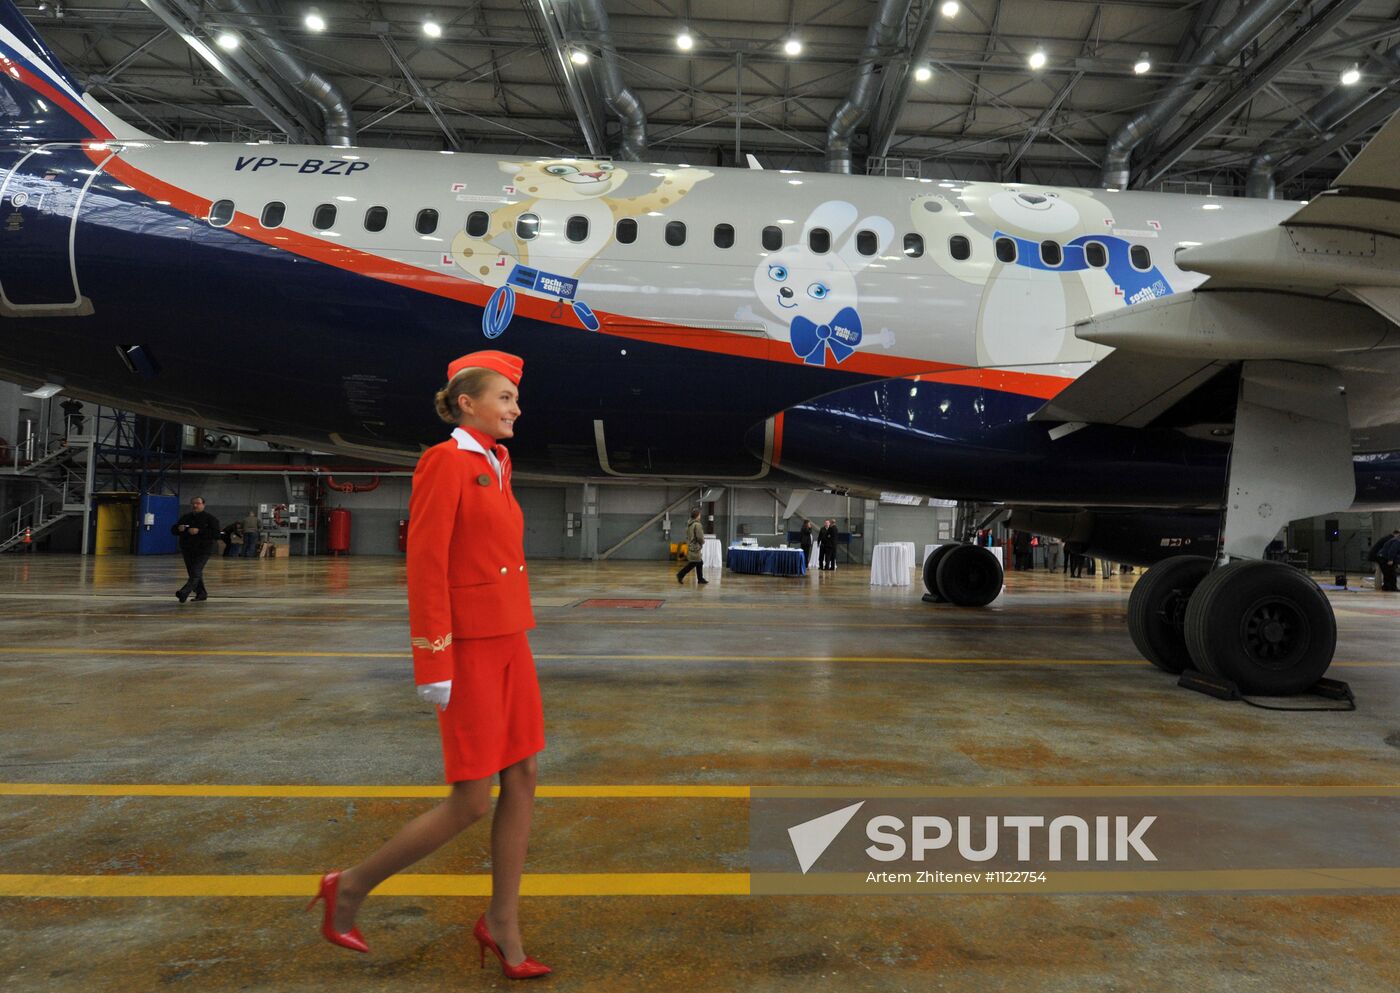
(891, 563)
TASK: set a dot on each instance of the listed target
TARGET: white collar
(466, 442)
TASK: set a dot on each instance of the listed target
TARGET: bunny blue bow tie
(811, 341)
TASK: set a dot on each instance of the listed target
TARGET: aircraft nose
(785, 292)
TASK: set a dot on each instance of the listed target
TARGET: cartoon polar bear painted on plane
(811, 298)
(1028, 307)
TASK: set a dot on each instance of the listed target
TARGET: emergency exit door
(39, 202)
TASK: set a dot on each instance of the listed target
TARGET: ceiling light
(314, 22)
(227, 40)
(923, 74)
(578, 57)
(951, 8)
(432, 29)
(684, 41)
(792, 46)
(1143, 64)
(1352, 76)
(1037, 59)
(1211, 206)
(43, 6)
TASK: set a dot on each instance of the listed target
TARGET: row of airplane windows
(576, 229)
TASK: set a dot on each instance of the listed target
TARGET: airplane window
(914, 246)
(273, 214)
(819, 240)
(376, 218)
(675, 233)
(577, 228)
(324, 217)
(867, 243)
(1006, 250)
(1140, 257)
(960, 248)
(772, 237)
(477, 223)
(1095, 254)
(724, 236)
(627, 230)
(1051, 253)
(426, 222)
(220, 213)
(527, 226)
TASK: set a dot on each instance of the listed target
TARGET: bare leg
(465, 805)
(510, 838)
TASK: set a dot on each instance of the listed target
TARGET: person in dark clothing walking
(694, 550)
(1021, 549)
(826, 545)
(198, 531)
(1389, 560)
(805, 536)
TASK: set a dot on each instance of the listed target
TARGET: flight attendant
(469, 609)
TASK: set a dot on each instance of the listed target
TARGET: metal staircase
(60, 470)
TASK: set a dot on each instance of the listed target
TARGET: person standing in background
(826, 545)
(805, 537)
(250, 534)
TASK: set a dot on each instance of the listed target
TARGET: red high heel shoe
(352, 939)
(527, 969)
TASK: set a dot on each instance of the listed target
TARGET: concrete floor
(174, 777)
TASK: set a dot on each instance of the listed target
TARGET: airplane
(1164, 380)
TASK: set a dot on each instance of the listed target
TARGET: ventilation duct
(1248, 24)
(618, 98)
(1326, 114)
(879, 39)
(335, 112)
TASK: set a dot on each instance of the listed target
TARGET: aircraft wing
(1321, 288)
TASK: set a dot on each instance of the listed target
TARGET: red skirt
(494, 717)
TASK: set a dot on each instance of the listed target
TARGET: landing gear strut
(1264, 626)
(963, 575)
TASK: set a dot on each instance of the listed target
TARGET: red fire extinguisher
(403, 536)
(338, 538)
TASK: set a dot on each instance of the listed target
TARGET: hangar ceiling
(941, 89)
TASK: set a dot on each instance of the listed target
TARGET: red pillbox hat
(509, 366)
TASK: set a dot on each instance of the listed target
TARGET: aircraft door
(39, 202)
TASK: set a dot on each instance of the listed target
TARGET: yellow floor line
(707, 792)
(418, 885)
(701, 884)
(215, 790)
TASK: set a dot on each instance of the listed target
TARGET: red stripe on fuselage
(42, 86)
(618, 325)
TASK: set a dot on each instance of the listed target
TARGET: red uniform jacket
(466, 556)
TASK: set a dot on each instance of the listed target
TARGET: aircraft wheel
(1157, 610)
(1264, 625)
(969, 576)
(931, 573)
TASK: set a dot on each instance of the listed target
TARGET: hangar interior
(178, 775)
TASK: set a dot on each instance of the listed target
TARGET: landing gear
(1264, 626)
(1157, 610)
(931, 574)
(963, 575)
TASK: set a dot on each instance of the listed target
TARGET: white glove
(436, 693)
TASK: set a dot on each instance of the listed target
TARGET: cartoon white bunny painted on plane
(809, 287)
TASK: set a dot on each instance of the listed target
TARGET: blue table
(768, 561)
